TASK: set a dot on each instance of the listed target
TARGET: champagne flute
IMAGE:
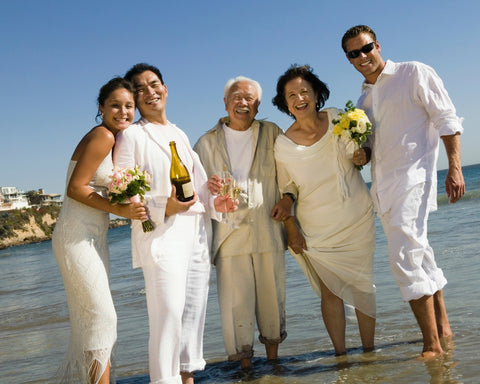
(235, 192)
(226, 180)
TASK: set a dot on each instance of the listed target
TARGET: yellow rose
(355, 115)
(345, 122)
(337, 129)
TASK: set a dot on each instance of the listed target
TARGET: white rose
(361, 126)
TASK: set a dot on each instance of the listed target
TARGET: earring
(317, 106)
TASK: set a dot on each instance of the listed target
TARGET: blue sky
(57, 54)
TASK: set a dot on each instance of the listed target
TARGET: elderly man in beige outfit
(249, 259)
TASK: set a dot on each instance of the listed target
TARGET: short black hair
(139, 68)
(306, 73)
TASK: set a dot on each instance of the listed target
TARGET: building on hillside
(12, 198)
(49, 198)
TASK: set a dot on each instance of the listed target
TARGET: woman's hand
(296, 240)
(361, 156)
(134, 211)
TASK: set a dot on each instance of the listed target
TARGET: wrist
(290, 195)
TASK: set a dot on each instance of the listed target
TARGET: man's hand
(454, 184)
(283, 209)
(175, 206)
(214, 184)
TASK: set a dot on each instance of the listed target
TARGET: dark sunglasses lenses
(365, 49)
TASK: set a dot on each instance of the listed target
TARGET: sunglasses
(365, 49)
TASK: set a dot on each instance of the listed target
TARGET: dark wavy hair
(107, 89)
(306, 73)
(139, 68)
(354, 32)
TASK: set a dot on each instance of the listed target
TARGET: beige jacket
(257, 231)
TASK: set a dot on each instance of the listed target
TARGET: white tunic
(335, 214)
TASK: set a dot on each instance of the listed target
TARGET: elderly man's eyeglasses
(365, 49)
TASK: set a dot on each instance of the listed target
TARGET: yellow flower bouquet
(352, 127)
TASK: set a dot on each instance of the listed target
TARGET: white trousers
(251, 287)
(177, 291)
(411, 258)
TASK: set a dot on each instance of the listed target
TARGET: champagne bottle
(179, 176)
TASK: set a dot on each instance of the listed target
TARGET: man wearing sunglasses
(410, 111)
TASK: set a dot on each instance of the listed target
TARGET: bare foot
(272, 351)
(246, 363)
(187, 377)
(428, 355)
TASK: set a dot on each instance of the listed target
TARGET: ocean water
(34, 317)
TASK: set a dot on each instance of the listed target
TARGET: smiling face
(300, 98)
(150, 96)
(242, 104)
(118, 110)
(370, 64)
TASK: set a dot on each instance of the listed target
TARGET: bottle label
(187, 189)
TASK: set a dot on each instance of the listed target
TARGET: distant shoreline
(28, 226)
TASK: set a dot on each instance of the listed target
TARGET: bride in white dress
(336, 240)
(80, 245)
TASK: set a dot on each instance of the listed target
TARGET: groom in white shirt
(175, 257)
(410, 111)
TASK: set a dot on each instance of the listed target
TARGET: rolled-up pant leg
(411, 257)
(270, 296)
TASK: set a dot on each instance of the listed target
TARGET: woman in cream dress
(80, 240)
(335, 240)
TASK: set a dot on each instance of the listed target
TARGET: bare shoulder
(98, 139)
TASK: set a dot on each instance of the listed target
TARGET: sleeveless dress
(79, 244)
(335, 213)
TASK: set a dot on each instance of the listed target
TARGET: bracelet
(291, 195)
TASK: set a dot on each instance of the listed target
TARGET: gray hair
(231, 82)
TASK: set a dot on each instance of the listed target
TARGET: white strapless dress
(80, 246)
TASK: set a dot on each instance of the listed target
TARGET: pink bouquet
(129, 185)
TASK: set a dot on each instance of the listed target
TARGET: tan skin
(429, 311)
(118, 113)
(309, 127)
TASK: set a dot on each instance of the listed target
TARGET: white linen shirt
(147, 144)
(410, 110)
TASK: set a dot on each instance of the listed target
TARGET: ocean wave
(469, 195)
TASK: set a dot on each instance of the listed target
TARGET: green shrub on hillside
(19, 219)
